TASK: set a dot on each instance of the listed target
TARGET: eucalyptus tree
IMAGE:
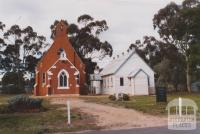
(84, 37)
(177, 28)
(21, 49)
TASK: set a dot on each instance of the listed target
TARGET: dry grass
(54, 119)
(146, 104)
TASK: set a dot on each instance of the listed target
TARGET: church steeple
(61, 29)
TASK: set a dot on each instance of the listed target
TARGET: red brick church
(60, 71)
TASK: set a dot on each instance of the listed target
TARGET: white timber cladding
(97, 87)
(134, 64)
(108, 85)
(141, 83)
(137, 78)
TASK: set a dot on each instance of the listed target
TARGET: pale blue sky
(128, 20)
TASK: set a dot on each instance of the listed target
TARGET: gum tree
(174, 25)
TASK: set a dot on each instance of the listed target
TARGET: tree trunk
(188, 75)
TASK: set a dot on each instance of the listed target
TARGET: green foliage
(178, 26)
(21, 46)
(4, 109)
(23, 103)
(124, 97)
(11, 89)
(195, 56)
(12, 83)
(112, 97)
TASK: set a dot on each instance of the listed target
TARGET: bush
(12, 83)
(4, 109)
(126, 97)
(11, 89)
(112, 97)
(23, 103)
(122, 96)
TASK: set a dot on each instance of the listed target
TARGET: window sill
(63, 87)
(77, 86)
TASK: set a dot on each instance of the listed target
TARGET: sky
(128, 20)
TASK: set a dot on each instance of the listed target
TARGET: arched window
(63, 79)
(77, 80)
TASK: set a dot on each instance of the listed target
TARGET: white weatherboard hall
(128, 74)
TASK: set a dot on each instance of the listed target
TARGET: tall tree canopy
(163, 58)
(178, 25)
(20, 49)
(84, 37)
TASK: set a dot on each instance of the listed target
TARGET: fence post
(68, 114)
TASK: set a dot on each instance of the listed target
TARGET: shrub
(11, 89)
(23, 103)
(4, 109)
(12, 83)
(112, 97)
(126, 97)
(123, 97)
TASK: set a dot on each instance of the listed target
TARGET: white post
(68, 113)
(180, 106)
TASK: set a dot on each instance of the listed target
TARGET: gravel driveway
(110, 117)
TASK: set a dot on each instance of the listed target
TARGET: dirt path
(115, 118)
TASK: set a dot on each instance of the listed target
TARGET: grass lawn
(52, 120)
(146, 104)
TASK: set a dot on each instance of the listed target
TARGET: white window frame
(43, 78)
(67, 75)
(77, 80)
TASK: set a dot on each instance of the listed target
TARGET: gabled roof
(61, 41)
(116, 64)
(136, 72)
